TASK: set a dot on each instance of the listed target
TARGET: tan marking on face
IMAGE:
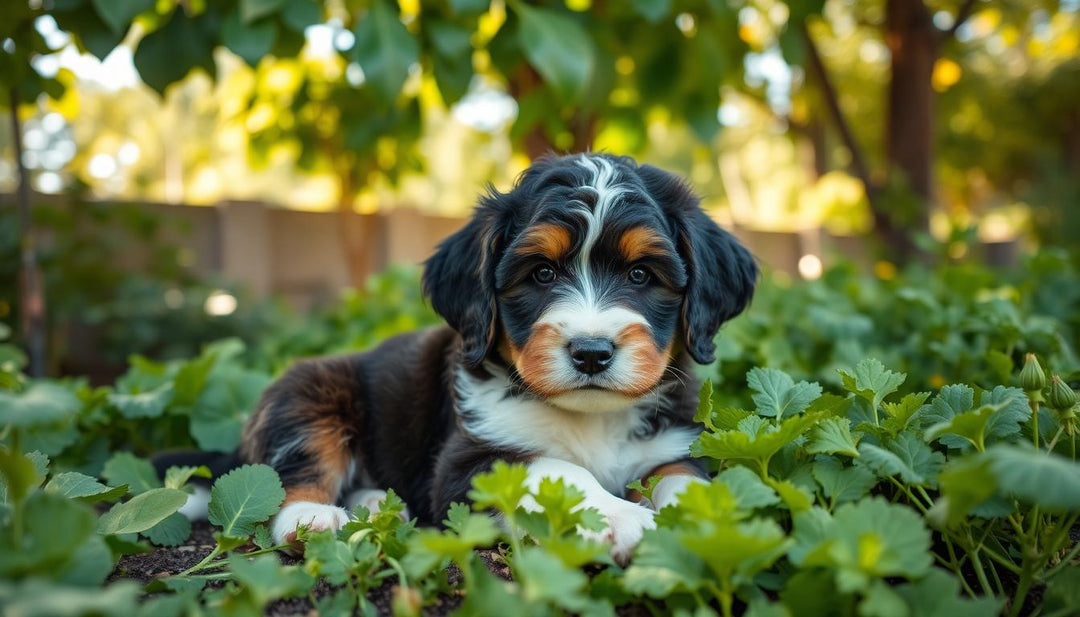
(640, 242)
(535, 361)
(547, 239)
(650, 362)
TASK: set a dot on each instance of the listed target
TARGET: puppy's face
(588, 276)
(589, 291)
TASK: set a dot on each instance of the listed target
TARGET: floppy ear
(460, 280)
(721, 273)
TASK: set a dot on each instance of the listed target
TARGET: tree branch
(962, 16)
(858, 161)
(882, 222)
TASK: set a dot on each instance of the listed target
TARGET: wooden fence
(301, 255)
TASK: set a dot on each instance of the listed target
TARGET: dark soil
(145, 567)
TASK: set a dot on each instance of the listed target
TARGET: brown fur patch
(533, 361)
(307, 493)
(639, 242)
(649, 361)
(551, 241)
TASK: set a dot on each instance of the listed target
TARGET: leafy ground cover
(881, 446)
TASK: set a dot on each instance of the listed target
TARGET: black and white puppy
(575, 304)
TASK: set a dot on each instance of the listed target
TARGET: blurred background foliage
(931, 124)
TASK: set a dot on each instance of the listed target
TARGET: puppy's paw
(626, 523)
(314, 516)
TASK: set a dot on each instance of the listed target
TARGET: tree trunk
(536, 141)
(909, 140)
(354, 235)
(31, 288)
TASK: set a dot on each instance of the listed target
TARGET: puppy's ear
(721, 273)
(460, 280)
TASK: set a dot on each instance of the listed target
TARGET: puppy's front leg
(304, 429)
(626, 520)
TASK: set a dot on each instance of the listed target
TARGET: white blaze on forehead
(607, 193)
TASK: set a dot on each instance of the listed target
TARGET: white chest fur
(603, 443)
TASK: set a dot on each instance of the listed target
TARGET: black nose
(591, 355)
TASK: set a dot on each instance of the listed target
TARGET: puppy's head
(587, 277)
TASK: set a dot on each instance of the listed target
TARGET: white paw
(626, 523)
(371, 498)
(314, 516)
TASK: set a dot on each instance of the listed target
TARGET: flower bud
(1061, 397)
(1032, 378)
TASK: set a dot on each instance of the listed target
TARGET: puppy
(576, 303)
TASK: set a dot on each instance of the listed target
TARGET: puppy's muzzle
(591, 355)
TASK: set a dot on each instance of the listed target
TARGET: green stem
(1021, 595)
(1034, 419)
(1053, 442)
(205, 563)
(17, 504)
(393, 563)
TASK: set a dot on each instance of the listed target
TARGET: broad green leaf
(267, 579)
(178, 476)
(262, 538)
(149, 404)
(251, 40)
(173, 530)
(126, 468)
(777, 395)
(1013, 411)
(327, 556)
(469, 7)
(901, 414)
(938, 595)
(299, 14)
(74, 485)
(705, 405)
(842, 484)
(951, 400)
(832, 436)
(662, 566)
(18, 475)
(813, 593)
(230, 395)
(1063, 590)
(243, 497)
(736, 552)
(966, 482)
(872, 381)
(652, 10)
(42, 404)
(544, 578)
(749, 491)
(385, 50)
(250, 10)
(117, 14)
(702, 503)
(142, 512)
(44, 598)
(881, 601)
(54, 529)
(906, 456)
(753, 442)
(1048, 480)
(864, 540)
(794, 497)
(559, 48)
(167, 55)
(501, 488)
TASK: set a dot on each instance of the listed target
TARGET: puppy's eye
(638, 275)
(544, 274)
